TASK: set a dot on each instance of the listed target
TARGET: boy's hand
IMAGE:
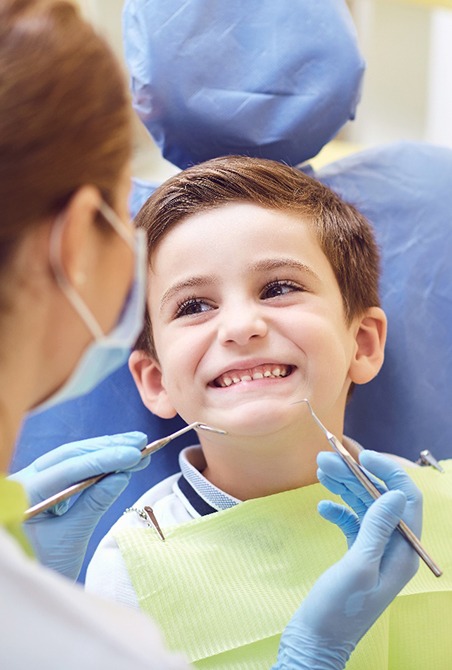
(349, 597)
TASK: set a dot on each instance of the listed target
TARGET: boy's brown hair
(344, 235)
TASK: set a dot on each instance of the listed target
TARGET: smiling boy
(263, 290)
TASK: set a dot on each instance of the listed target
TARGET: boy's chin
(257, 420)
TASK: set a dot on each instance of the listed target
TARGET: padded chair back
(404, 190)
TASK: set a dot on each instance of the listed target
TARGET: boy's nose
(239, 326)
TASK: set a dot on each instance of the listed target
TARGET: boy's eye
(192, 306)
(277, 288)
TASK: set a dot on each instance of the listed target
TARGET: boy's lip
(251, 371)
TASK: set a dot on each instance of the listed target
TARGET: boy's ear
(370, 344)
(148, 379)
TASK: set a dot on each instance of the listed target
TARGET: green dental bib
(13, 503)
(223, 587)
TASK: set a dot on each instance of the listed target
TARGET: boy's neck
(264, 466)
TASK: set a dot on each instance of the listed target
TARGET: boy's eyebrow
(284, 263)
(191, 282)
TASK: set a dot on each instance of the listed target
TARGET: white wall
(148, 163)
(439, 112)
(408, 84)
(106, 16)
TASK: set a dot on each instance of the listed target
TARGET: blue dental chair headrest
(270, 79)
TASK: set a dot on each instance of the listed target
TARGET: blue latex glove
(348, 598)
(60, 536)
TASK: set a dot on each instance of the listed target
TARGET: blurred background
(407, 93)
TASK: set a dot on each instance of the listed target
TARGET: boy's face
(247, 319)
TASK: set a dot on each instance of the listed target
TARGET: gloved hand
(60, 536)
(348, 598)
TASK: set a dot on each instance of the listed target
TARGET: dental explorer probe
(370, 487)
(85, 483)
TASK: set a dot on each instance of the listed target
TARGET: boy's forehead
(236, 210)
(248, 236)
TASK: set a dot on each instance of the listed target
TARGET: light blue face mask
(107, 352)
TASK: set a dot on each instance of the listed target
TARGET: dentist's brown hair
(65, 114)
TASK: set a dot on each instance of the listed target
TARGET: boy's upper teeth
(258, 372)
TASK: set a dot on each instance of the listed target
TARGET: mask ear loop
(126, 233)
(77, 302)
